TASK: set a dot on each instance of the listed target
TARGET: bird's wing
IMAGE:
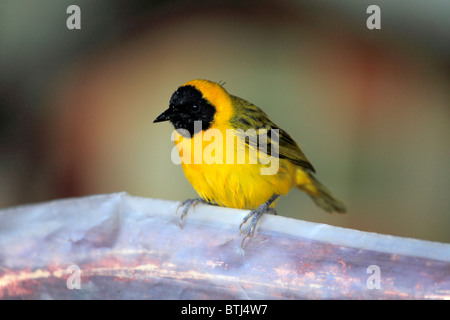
(248, 116)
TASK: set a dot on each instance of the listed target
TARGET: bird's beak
(165, 116)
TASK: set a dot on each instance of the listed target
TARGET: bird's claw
(187, 204)
(257, 213)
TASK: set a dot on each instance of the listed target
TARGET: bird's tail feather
(319, 194)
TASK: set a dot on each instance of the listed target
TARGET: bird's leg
(257, 213)
(187, 204)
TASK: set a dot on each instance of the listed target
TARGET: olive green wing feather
(248, 116)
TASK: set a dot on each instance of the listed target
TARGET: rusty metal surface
(132, 248)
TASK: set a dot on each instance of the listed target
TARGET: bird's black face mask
(187, 106)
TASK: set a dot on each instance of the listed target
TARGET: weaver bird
(229, 174)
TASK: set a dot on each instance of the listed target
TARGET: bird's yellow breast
(221, 172)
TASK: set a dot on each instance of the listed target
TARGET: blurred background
(370, 108)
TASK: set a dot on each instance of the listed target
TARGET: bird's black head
(186, 106)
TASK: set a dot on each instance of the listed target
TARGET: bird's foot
(187, 204)
(256, 214)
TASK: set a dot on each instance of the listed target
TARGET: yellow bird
(235, 156)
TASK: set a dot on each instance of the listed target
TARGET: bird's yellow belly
(237, 186)
(232, 185)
